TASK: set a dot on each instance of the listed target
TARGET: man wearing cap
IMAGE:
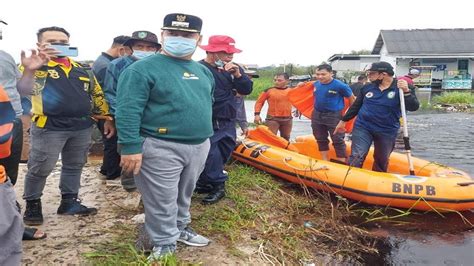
(230, 80)
(142, 44)
(413, 73)
(378, 116)
(164, 121)
(110, 161)
(117, 50)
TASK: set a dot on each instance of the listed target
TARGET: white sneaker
(191, 238)
(159, 252)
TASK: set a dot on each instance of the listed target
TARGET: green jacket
(166, 98)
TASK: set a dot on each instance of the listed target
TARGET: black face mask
(377, 81)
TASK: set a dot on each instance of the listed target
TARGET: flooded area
(425, 238)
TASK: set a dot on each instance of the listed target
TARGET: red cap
(220, 43)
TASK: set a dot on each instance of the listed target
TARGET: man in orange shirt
(279, 107)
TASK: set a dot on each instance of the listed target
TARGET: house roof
(426, 42)
(335, 57)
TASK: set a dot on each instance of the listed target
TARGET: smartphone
(65, 50)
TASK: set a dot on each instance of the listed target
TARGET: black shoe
(73, 206)
(33, 213)
(215, 195)
(202, 188)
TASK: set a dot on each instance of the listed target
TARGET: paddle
(406, 139)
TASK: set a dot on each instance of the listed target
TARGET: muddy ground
(70, 237)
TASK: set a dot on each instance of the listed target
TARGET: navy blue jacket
(379, 111)
(224, 107)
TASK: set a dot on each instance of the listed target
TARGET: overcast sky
(268, 32)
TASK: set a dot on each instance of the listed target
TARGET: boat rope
(311, 169)
(287, 159)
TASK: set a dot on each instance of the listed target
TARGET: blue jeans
(383, 146)
(46, 145)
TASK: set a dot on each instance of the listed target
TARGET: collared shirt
(114, 69)
(224, 107)
(100, 67)
(62, 98)
(379, 110)
(9, 75)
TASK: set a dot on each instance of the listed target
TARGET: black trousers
(111, 159)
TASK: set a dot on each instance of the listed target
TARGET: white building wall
(365, 61)
(344, 65)
(384, 56)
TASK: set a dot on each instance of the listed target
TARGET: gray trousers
(46, 145)
(166, 181)
(11, 226)
(323, 125)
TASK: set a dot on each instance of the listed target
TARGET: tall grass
(259, 85)
(454, 98)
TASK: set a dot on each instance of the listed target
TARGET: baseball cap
(144, 36)
(182, 22)
(414, 71)
(220, 43)
(121, 39)
(381, 66)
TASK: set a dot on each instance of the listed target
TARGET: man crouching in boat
(378, 116)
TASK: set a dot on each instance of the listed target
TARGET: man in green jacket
(163, 117)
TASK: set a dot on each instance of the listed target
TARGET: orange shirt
(278, 103)
(7, 115)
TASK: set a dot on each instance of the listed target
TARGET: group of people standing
(145, 96)
(376, 105)
(168, 122)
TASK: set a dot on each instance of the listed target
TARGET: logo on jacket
(187, 75)
(391, 94)
(369, 94)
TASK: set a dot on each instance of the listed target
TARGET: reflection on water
(425, 238)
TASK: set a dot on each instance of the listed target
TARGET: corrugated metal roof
(426, 41)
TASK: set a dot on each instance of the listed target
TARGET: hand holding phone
(65, 50)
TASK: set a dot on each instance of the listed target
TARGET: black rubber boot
(203, 188)
(217, 193)
(33, 212)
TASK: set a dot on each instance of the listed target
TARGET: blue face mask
(142, 54)
(179, 46)
(219, 63)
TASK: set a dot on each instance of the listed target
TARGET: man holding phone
(64, 100)
(230, 80)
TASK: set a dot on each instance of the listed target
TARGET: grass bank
(450, 101)
(454, 98)
(281, 223)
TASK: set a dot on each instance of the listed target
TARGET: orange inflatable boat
(433, 187)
